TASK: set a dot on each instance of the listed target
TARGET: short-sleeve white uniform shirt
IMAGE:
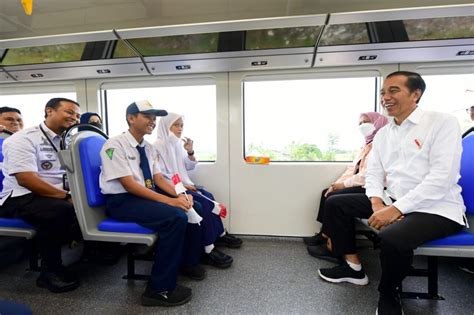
(120, 158)
(30, 151)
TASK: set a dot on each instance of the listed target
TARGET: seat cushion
(111, 225)
(14, 223)
(461, 239)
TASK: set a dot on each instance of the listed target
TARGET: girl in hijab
(92, 119)
(350, 182)
(176, 156)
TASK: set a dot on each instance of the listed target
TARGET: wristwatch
(191, 153)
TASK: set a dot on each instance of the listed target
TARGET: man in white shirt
(418, 154)
(33, 189)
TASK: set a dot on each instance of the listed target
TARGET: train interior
(283, 79)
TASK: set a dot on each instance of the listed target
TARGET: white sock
(223, 233)
(208, 248)
(356, 267)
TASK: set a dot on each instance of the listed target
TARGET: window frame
(378, 75)
(166, 81)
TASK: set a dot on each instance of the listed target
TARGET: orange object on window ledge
(257, 159)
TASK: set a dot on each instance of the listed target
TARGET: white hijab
(170, 149)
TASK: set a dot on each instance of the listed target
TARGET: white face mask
(366, 129)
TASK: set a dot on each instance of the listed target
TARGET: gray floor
(269, 276)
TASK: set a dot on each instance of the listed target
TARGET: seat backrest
(82, 163)
(467, 173)
(89, 152)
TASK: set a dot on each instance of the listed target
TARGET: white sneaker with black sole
(344, 273)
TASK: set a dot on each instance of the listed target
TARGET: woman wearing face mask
(176, 156)
(92, 119)
(351, 181)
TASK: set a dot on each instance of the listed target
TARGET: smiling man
(416, 157)
(10, 119)
(33, 189)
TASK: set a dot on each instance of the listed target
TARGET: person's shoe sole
(363, 281)
(44, 285)
(146, 301)
(465, 269)
(377, 311)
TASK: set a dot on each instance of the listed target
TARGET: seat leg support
(32, 251)
(432, 274)
(131, 258)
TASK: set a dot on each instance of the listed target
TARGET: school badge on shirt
(148, 183)
(110, 153)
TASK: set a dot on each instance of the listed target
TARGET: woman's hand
(188, 145)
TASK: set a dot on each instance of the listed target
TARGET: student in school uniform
(136, 192)
(177, 157)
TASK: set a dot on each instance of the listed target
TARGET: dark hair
(414, 81)
(6, 109)
(126, 118)
(54, 103)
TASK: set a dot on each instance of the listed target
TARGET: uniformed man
(10, 119)
(136, 191)
(33, 190)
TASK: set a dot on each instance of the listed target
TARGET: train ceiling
(112, 38)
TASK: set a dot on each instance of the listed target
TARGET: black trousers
(55, 222)
(348, 190)
(398, 240)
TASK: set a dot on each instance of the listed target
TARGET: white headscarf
(171, 150)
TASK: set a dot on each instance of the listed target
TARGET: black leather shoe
(217, 259)
(229, 240)
(178, 296)
(57, 282)
(196, 272)
(315, 240)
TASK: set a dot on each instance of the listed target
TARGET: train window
(196, 102)
(174, 45)
(282, 37)
(32, 105)
(123, 51)
(440, 28)
(345, 34)
(43, 54)
(450, 93)
(306, 119)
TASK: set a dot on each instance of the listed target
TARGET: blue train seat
(9, 226)
(82, 162)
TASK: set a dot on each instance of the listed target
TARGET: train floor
(269, 276)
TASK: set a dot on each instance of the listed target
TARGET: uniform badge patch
(110, 152)
(148, 183)
(46, 165)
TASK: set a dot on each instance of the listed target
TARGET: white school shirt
(421, 159)
(121, 158)
(30, 151)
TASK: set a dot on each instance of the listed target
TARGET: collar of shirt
(131, 139)
(51, 134)
(414, 118)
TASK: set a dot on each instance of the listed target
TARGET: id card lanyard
(65, 181)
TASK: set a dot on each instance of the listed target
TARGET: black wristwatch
(68, 196)
(191, 153)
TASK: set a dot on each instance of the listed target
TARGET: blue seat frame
(82, 163)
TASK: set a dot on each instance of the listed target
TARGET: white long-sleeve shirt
(421, 159)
